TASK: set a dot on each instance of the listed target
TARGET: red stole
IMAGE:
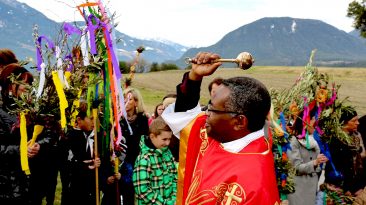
(215, 176)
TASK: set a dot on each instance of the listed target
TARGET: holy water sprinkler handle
(244, 60)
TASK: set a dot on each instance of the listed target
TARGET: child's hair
(7, 57)
(170, 95)
(156, 109)
(18, 71)
(158, 125)
(298, 124)
(82, 110)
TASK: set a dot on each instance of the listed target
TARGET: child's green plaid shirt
(155, 175)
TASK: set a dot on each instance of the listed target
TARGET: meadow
(155, 85)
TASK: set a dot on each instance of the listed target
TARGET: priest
(224, 157)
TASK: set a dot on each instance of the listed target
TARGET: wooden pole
(95, 117)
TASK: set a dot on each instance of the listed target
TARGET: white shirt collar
(239, 144)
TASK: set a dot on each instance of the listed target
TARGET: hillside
(289, 41)
(17, 21)
(272, 41)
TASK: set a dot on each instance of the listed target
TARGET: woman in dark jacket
(14, 183)
(138, 122)
(347, 158)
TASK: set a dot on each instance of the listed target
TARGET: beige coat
(306, 179)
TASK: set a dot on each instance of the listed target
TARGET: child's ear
(152, 135)
(77, 120)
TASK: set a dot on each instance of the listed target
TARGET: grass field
(154, 86)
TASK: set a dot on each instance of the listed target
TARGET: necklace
(131, 118)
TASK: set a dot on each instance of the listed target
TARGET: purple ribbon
(71, 66)
(114, 59)
(70, 29)
(92, 28)
(39, 47)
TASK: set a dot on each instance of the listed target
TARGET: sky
(197, 23)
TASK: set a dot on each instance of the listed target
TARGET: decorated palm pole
(312, 92)
(90, 72)
(102, 50)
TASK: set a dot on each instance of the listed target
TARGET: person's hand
(284, 202)
(89, 162)
(110, 180)
(358, 192)
(97, 162)
(113, 178)
(321, 158)
(33, 150)
(203, 65)
(117, 176)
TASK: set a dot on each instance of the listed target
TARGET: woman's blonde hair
(137, 97)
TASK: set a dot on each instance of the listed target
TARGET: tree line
(143, 66)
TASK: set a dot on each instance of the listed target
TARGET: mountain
(272, 41)
(356, 33)
(155, 50)
(17, 21)
(289, 41)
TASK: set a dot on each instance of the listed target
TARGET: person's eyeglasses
(209, 109)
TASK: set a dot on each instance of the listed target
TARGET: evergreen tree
(357, 11)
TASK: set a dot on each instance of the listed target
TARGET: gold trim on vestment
(204, 143)
(183, 143)
(223, 193)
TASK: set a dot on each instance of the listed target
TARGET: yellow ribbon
(61, 96)
(37, 130)
(67, 76)
(23, 144)
(116, 165)
(75, 105)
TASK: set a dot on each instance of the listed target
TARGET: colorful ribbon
(23, 144)
(61, 96)
(37, 130)
(39, 47)
(70, 29)
(92, 28)
(324, 146)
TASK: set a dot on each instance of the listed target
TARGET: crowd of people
(184, 153)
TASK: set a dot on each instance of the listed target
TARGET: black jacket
(13, 181)
(15, 186)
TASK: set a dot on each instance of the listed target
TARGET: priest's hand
(203, 64)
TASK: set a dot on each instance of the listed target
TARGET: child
(155, 174)
(83, 162)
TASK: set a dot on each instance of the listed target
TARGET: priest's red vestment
(209, 174)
